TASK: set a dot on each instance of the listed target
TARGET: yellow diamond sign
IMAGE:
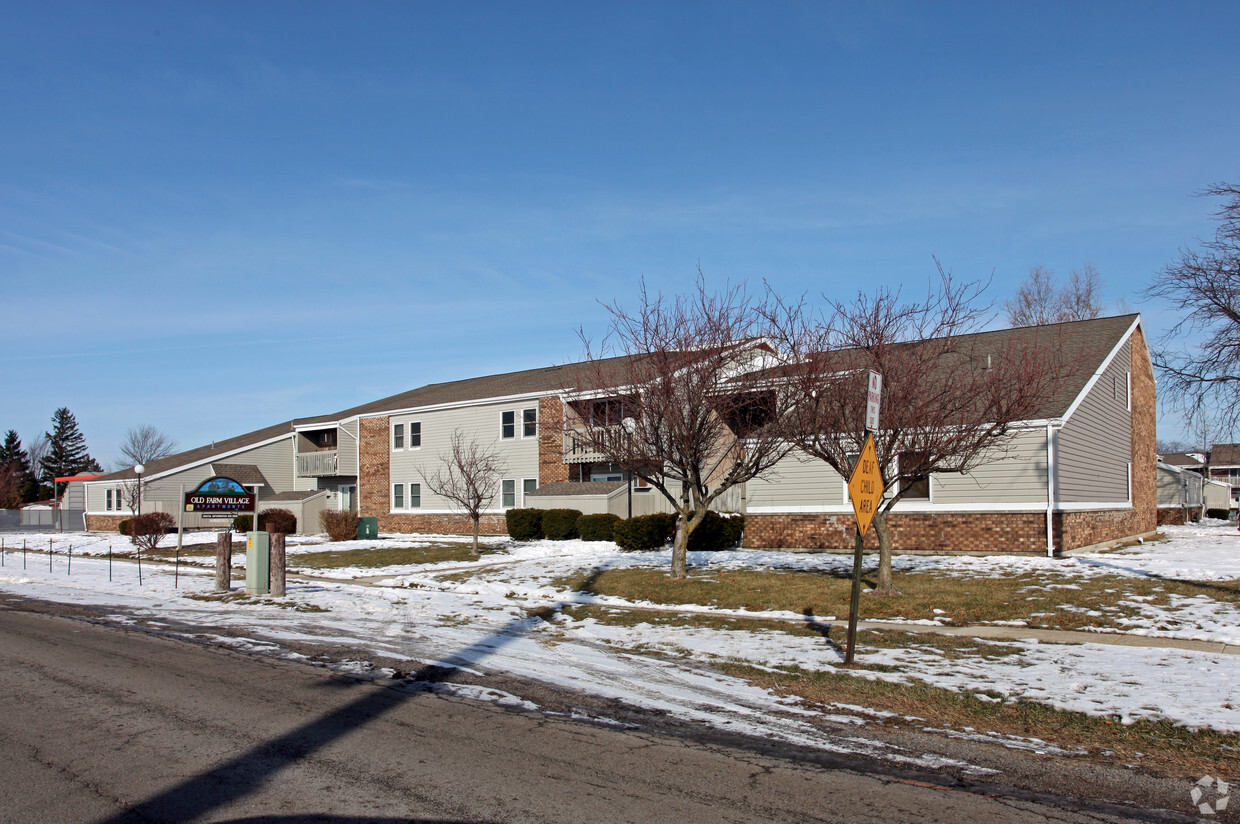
(865, 486)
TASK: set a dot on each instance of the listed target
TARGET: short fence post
(70, 572)
(23, 553)
(278, 565)
(109, 563)
(223, 561)
(138, 552)
(49, 554)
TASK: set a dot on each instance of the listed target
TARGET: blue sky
(217, 216)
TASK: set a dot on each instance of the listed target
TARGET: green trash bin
(367, 527)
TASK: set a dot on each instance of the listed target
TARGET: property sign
(873, 394)
(865, 485)
(219, 497)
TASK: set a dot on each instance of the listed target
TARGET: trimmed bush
(600, 527)
(243, 523)
(645, 531)
(1221, 514)
(146, 530)
(717, 532)
(339, 526)
(278, 520)
(560, 524)
(524, 524)
(123, 527)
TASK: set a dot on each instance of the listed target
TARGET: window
(415, 434)
(529, 423)
(415, 495)
(914, 484)
(508, 424)
(509, 490)
(398, 436)
(527, 486)
(607, 413)
(108, 498)
(398, 496)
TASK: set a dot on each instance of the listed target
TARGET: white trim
(1106, 363)
(1050, 491)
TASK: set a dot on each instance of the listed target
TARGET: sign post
(865, 490)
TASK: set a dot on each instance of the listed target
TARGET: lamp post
(138, 470)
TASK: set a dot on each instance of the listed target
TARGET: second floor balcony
(318, 464)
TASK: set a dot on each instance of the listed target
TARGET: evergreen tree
(21, 487)
(66, 449)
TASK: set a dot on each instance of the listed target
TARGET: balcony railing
(578, 444)
(316, 464)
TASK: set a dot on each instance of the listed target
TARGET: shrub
(524, 524)
(717, 532)
(600, 527)
(645, 531)
(278, 520)
(146, 530)
(1221, 514)
(339, 526)
(243, 523)
(123, 527)
(560, 524)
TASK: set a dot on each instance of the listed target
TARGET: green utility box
(367, 527)
(258, 563)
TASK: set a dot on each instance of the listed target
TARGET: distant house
(1180, 494)
(1080, 473)
(1225, 467)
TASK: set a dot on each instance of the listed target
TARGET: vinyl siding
(346, 443)
(520, 455)
(1012, 473)
(797, 481)
(1095, 445)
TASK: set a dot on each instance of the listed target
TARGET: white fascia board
(1106, 363)
(437, 407)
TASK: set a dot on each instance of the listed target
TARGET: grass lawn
(1041, 602)
(388, 556)
(1158, 746)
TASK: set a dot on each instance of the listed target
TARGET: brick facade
(104, 523)
(551, 466)
(910, 531)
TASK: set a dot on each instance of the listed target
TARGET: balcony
(578, 448)
(317, 464)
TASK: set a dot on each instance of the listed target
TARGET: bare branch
(144, 444)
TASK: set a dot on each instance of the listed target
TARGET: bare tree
(950, 399)
(1040, 300)
(37, 450)
(675, 396)
(1199, 357)
(468, 478)
(144, 444)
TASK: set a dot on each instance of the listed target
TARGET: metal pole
(854, 606)
(139, 554)
(23, 553)
(180, 519)
(109, 563)
(70, 572)
(176, 570)
(49, 554)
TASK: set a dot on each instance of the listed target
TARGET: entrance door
(347, 503)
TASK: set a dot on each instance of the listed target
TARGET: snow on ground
(483, 621)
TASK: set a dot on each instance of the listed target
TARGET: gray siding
(520, 454)
(1013, 473)
(346, 442)
(798, 481)
(1095, 446)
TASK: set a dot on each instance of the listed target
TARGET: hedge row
(640, 533)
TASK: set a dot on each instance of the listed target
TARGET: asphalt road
(105, 724)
